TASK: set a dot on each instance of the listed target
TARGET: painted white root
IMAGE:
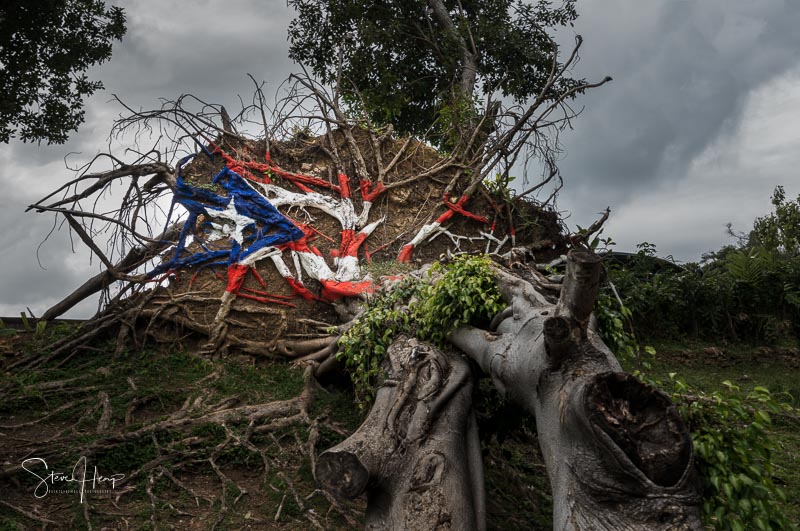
(342, 209)
(347, 268)
(491, 238)
(431, 231)
(228, 223)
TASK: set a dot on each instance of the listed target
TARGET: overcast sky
(697, 128)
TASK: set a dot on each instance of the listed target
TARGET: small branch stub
(581, 284)
(558, 339)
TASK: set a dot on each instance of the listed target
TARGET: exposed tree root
(182, 446)
(28, 514)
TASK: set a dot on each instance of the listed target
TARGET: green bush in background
(748, 292)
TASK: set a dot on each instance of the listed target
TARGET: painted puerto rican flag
(257, 230)
(248, 217)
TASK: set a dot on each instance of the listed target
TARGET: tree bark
(417, 454)
(469, 66)
(617, 453)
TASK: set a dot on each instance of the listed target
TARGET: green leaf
(727, 489)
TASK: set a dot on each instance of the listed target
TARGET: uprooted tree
(617, 453)
(261, 246)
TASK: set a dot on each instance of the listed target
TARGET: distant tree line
(749, 291)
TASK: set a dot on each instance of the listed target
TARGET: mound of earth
(271, 315)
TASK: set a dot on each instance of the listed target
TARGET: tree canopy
(45, 49)
(780, 230)
(406, 63)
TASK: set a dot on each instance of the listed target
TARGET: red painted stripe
(298, 179)
(446, 216)
(300, 289)
(351, 242)
(301, 246)
(405, 253)
(258, 277)
(458, 206)
(265, 300)
(334, 290)
(344, 186)
(236, 274)
(267, 294)
(369, 194)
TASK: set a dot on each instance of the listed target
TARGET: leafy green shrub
(363, 346)
(747, 294)
(465, 293)
(779, 230)
(733, 451)
(613, 320)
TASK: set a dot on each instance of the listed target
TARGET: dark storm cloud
(685, 74)
(682, 71)
(204, 48)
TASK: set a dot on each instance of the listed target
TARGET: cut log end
(342, 473)
(643, 423)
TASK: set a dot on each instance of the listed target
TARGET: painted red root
(333, 289)
(267, 294)
(458, 206)
(265, 300)
(344, 187)
(236, 274)
(236, 277)
(268, 168)
(407, 251)
(300, 289)
(351, 241)
(368, 194)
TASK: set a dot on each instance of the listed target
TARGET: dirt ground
(159, 438)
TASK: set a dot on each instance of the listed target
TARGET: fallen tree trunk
(617, 453)
(417, 454)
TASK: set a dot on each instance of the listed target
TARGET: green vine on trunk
(734, 447)
(466, 293)
(461, 292)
